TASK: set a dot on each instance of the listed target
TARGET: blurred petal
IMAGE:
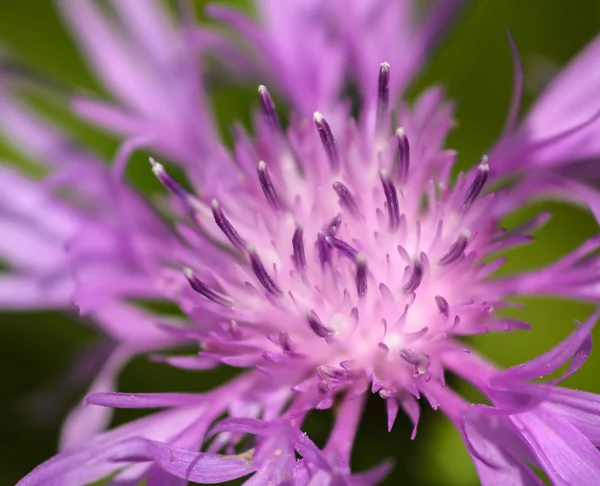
(84, 422)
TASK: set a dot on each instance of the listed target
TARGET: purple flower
(79, 251)
(310, 48)
(554, 428)
(330, 259)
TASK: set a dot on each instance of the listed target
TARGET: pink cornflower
(329, 259)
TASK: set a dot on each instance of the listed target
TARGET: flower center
(356, 261)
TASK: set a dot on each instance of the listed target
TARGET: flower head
(347, 260)
(329, 259)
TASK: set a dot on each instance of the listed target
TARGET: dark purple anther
(261, 273)
(333, 226)
(329, 373)
(391, 197)
(442, 305)
(205, 290)
(457, 249)
(419, 360)
(403, 154)
(226, 227)
(267, 185)
(317, 326)
(323, 249)
(298, 249)
(166, 180)
(343, 247)
(476, 187)
(328, 141)
(361, 275)
(284, 341)
(415, 278)
(383, 93)
(346, 198)
(268, 107)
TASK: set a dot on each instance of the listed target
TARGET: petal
(38, 139)
(496, 465)
(201, 467)
(392, 412)
(243, 426)
(85, 422)
(141, 333)
(575, 346)
(23, 292)
(83, 465)
(567, 102)
(515, 102)
(412, 409)
(581, 409)
(374, 475)
(143, 400)
(66, 470)
(186, 362)
(151, 26)
(114, 59)
(566, 455)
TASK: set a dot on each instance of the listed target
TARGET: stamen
(346, 198)
(268, 107)
(361, 275)
(317, 326)
(457, 248)
(298, 249)
(419, 360)
(342, 247)
(403, 154)
(267, 185)
(226, 227)
(443, 305)
(415, 279)
(476, 187)
(206, 290)
(328, 140)
(166, 180)
(329, 373)
(323, 249)
(391, 197)
(383, 93)
(261, 273)
(333, 226)
(284, 341)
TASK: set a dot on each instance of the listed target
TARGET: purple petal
(143, 400)
(568, 101)
(575, 346)
(392, 412)
(515, 102)
(85, 422)
(242, 426)
(187, 362)
(374, 475)
(496, 465)
(565, 454)
(581, 409)
(412, 409)
(201, 467)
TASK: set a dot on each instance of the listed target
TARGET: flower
(546, 425)
(331, 259)
(334, 41)
(109, 251)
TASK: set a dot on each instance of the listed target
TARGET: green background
(474, 65)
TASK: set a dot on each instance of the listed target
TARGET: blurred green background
(474, 65)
